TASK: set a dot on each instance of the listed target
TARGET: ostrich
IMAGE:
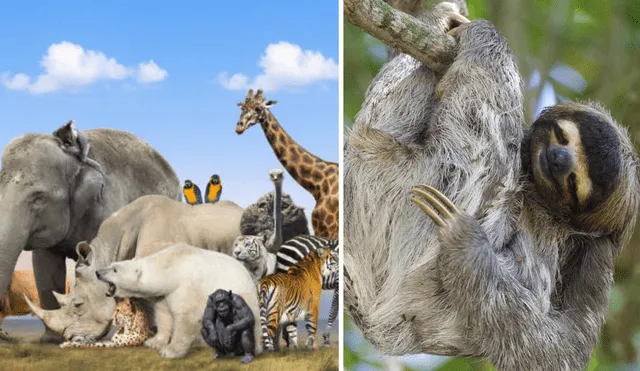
(258, 218)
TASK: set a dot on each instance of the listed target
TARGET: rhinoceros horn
(61, 298)
(51, 318)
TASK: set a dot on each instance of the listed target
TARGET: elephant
(52, 199)
(145, 226)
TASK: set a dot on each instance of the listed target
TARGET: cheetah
(132, 324)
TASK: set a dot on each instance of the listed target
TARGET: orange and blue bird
(191, 193)
(214, 189)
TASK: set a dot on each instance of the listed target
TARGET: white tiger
(251, 251)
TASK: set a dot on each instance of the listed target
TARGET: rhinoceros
(139, 229)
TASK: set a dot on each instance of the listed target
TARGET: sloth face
(574, 160)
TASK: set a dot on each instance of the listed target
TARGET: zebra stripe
(331, 280)
(332, 317)
(298, 247)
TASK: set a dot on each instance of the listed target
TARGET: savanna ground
(28, 355)
(35, 357)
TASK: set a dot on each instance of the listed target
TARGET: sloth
(529, 297)
(538, 302)
(460, 132)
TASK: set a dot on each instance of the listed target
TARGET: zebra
(292, 252)
(331, 281)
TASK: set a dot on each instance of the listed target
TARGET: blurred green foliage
(599, 42)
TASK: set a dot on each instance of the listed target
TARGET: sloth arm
(400, 100)
(479, 113)
(511, 320)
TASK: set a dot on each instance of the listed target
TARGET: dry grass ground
(28, 355)
(35, 357)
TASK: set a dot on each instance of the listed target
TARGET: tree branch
(411, 7)
(402, 32)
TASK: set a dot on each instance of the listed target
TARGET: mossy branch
(401, 31)
(411, 7)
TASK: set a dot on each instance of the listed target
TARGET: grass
(36, 357)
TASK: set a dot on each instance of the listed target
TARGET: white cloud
(236, 82)
(285, 65)
(69, 66)
(150, 72)
(17, 82)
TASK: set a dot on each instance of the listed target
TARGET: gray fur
(465, 145)
(76, 143)
(538, 303)
(403, 91)
(429, 18)
(258, 219)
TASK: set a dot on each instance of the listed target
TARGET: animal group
(168, 273)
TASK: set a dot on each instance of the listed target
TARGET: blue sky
(158, 70)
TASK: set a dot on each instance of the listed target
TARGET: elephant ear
(87, 192)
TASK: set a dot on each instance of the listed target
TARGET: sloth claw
(439, 208)
(454, 20)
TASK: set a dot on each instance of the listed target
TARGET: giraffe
(318, 177)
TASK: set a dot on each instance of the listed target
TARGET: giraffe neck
(292, 156)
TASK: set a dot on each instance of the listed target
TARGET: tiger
(252, 253)
(132, 326)
(294, 295)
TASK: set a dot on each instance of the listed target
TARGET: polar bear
(178, 281)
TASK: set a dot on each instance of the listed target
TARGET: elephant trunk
(51, 318)
(14, 234)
